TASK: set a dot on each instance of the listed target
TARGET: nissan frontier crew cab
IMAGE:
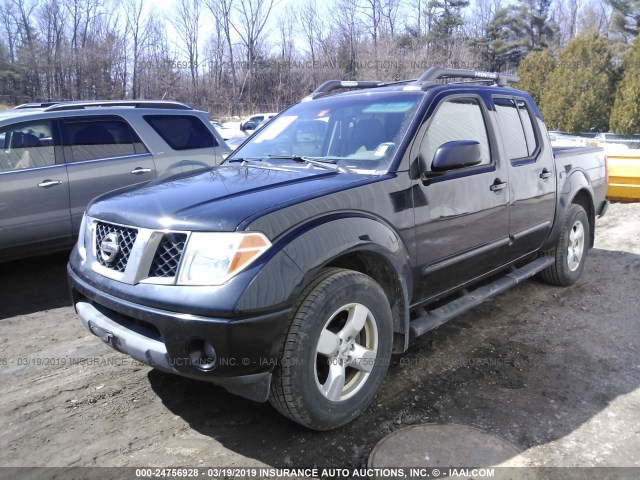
(350, 224)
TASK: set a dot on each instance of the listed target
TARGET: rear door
(34, 188)
(190, 140)
(462, 218)
(532, 185)
(103, 153)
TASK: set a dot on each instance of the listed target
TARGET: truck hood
(216, 200)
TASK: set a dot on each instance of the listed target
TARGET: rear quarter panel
(580, 169)
(169, 161)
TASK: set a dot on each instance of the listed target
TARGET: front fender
(299, 254)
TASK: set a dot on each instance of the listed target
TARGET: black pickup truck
(351, 223)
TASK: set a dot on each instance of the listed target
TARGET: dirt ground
(556, 371)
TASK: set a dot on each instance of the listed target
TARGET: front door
(34, 189)
(462, 220)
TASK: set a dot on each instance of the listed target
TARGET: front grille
(126, 237)
(167, 257)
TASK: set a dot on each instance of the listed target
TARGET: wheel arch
(575, 190)
(349, 240)
(382, 271)
(584, 198)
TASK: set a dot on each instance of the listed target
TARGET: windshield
(360, 133)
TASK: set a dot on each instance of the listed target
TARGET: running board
(440, 315)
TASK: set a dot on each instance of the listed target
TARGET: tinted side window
(527, 125)
(99, 137)
(516, 126)
(182, 132)
(457, 119)
(27, 145)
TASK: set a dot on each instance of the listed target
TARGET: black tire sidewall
(567, 276)
(352, 288)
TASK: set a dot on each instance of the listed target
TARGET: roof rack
(329, 86)
(440, 73)
(80, 104)
(427, 79)
(166, 104)
(25, 106)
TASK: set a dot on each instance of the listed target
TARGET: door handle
(497, 185)
(545, 174)
(140, 170)
(49, 183)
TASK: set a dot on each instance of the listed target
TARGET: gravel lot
(554, 371)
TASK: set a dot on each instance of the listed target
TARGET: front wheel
(570, 251)
(336, 352)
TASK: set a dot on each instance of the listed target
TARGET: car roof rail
(164, 104)
(430, 76)
(25, 106)
(330, 85)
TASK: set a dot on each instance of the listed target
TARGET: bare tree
(136, 31)
(349, 28)
(418, 9)
(82, 14)
(22, 14)
(222, 11)
(285, 68)
(158, 79)
(312, 28)
(251, 22)
(252, 16)
(480, 16)
(187, 24)
(52, 20)
(215, 54)
(10, 28)
(596, 16)
(389, 10)
(372, 12)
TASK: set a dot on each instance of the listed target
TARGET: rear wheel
(336, 352)
(570, 250)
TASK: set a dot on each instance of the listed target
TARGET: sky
(167, 6)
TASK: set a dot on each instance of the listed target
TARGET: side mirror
(457, 154)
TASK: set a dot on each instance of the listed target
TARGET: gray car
(56, 157)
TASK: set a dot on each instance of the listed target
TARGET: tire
(570, 251)
(342, 326)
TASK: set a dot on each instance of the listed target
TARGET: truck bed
(589, 159)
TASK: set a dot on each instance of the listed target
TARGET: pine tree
(445, 21)
(502, 46)
(579, 94)
(626, 17)
(515, 31)
(625, 117)
(537, 28)
(534, 72)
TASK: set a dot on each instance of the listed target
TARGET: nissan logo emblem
(109, 247)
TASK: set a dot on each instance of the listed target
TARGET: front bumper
(241, 353)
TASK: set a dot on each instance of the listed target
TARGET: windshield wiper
(249, 161)
(328, 164)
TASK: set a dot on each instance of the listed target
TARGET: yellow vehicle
(624, 169)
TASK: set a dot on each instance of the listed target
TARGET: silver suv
(56, 157)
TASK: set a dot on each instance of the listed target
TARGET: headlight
(82, 246)
(213, 258)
